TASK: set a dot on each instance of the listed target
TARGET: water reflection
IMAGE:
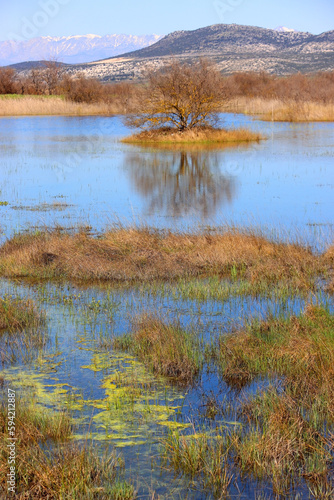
(181, 183)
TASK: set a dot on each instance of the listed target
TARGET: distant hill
(28, 65)
(71, 49)
(233, 47)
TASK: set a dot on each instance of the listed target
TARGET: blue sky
(22, 19)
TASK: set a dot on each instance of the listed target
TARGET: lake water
(68, 171)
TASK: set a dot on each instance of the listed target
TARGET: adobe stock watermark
(223, 7)
(30, 28)
(91, 145)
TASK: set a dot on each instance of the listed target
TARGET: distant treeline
(318, 87)
(53, 80)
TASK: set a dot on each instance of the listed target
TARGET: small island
(180, 104)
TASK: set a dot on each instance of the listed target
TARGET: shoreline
(275, 110)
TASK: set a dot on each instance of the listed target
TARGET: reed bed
(267, 109)
(129, 254)
(283, 110)
(51, 105)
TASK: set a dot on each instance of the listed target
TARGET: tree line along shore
(49, 90)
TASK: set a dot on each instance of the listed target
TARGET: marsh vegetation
(167, 361)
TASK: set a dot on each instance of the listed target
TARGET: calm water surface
(70, 170)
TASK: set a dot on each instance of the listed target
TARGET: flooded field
(178, 431)
(69, 171)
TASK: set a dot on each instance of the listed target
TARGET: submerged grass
(290, 434)
(22, 329)
(128, 254)
(283, 445)
(167, 349)
(49, 466)
(202, 135)
(203, 457)
(17, 314)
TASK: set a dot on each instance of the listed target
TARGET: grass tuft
(22, 329)
(17, 314)
(203, 457)
(166, 349)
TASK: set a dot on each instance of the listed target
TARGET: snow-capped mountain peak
(283, 29)
(72, 49)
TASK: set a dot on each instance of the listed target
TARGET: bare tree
(181, 96)
(7, 81)
(37, 81)
(53, 74)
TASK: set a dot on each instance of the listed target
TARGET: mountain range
(71, 49)
(232, 47)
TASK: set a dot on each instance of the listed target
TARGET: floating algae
(135, 401)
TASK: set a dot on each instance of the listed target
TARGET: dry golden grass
(279, 110)
(265, 109)
(141, 254)
(203, 135)
(40, 105)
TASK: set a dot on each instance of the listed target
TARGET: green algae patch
(38, 386)
(135, 402)
(132, 404)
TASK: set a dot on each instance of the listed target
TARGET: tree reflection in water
(181, 183)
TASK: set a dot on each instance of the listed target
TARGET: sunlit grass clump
(202, 135)
(300, 348)
(167, 349)
(129, 253)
